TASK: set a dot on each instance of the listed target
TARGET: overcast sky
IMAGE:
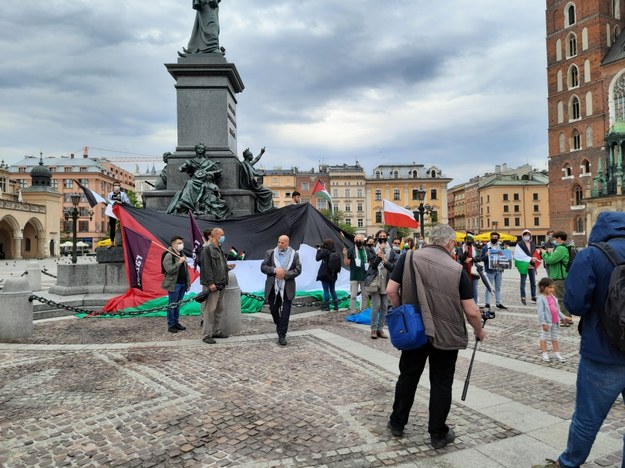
(460, 84)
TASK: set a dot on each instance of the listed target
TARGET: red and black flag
(196, 240)
(136, 248)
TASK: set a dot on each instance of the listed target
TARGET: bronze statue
(200, 194)
(205, 34)
(161, 182)
(251, 179)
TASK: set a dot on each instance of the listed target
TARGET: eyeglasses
(396, 243)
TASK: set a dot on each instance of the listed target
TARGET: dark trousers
(442, 368)
(280, 311)
(112, 227)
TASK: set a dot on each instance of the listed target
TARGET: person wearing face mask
(396, 245)
(176, 281)
(525, 262)
(356, 259)
(446, 304)
(116, 196)
(420, 243)
(213, 278)
(382, 260)
(495, 275)
(282, 266)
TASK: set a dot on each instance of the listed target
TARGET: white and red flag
(395, 215)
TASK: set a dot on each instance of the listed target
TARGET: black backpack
(334, 263)
(612, 317)
(572, 252)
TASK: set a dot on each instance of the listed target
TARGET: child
(549, 316)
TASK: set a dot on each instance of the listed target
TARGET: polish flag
(395, 215)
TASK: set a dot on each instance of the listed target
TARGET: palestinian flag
(253, 235)
(321, 191)
(521, 260)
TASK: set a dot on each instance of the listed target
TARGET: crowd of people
(445, 285)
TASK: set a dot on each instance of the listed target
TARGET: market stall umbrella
(81, 244)
(485, 237)
(66, 244)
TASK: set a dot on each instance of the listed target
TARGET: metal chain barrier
(92, 313)
(45, 272)
(264, 301)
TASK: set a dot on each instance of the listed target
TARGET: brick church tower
(586, 99)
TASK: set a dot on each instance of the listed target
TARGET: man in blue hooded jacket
(601, 371)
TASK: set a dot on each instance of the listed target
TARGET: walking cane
(486, 315)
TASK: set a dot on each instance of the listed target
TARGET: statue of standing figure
(200, 194)
(205, 34)
(251, 179)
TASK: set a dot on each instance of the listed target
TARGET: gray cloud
(458, 84)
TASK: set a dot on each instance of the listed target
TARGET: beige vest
(437, 278)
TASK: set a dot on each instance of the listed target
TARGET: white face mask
(526, 238)
(179, 247)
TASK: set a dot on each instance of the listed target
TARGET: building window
(83, 169)
(414, 194)
(415, 174)
(348, 193)
(561, 142)
(588, 103)
(535, 196)
(579, 224)
(359, 193)
(516, 208)
(335, 193)
(536, 221)
(506, 222)
(574, 109)
(578, 195)
(361, 222)
(54, 183)
(434, 194)
(505, 197)
(588, 136)
(359, 207)
(21, 170)
(83, 226)
(585, 39)
(378, 194)
(618, 97)
(395, 174)
(570, 15)
(585, 167)
(586, 71)
(321, 204)
(275, 194)
(274, 180)
(506, 208)
(571, 50)
(396, 194)
(536, 208)
(348, 221)
(378, 174)
(348, 207)
(576, 140)
(567, 171)
(305, 186)
(515, 197)
(378, 217)
(573, 77)
(517, 222)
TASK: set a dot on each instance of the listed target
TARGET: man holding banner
(176, 281)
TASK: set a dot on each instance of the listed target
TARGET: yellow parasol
(485, 237)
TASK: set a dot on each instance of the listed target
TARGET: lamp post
(73, 214)
(420, 193)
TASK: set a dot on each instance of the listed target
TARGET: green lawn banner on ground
(249, 305)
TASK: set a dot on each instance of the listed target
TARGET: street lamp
(420, 194)
(73, 213)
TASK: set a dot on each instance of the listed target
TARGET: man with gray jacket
(176, 281)
(445, 294)
(213, 278)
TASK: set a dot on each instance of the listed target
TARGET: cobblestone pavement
(124, 392)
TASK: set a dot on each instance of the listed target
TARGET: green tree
(402, 233)
(134, 201)
(338, 218)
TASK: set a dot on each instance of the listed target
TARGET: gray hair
(441, 234)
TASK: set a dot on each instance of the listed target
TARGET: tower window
(570, 15)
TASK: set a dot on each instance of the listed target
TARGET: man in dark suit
(282, 266)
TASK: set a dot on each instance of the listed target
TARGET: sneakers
(282, 340)
(381, 334)
(487, 306)
(180, 327)
(440, 442)
(501, 306)
(545, 358)
(172, 329)
(395, 431)
(374, 335)
(523, 301)
(560, 358)
(220, 335)
(533, 300)
(209, 340)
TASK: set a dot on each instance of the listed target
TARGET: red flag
(395, 215)
(196, 240)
